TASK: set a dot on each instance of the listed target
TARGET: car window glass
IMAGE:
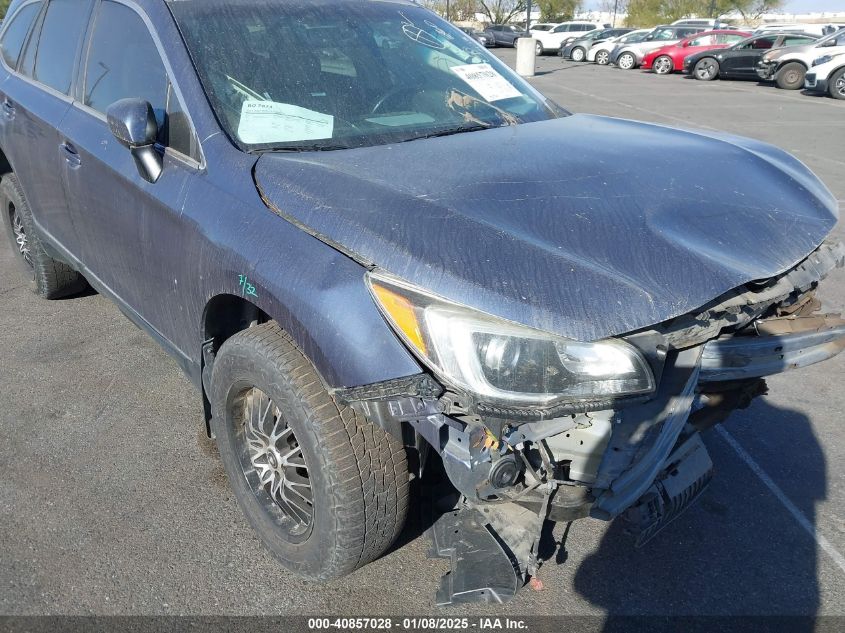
(704, 40)
(559, 29)
(793, 41)
(61, 33)
(16, 32)
(123, 62)
(728, 38)
(763, 42)
(664, 34)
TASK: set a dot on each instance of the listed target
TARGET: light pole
(447, 11)
(528, 15)
(615, 8)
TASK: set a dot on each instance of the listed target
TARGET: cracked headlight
(504, 362)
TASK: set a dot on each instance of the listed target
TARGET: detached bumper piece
(490, 549)
(779, 345)
(687, 474)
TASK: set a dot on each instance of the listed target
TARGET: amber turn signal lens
(402, 312)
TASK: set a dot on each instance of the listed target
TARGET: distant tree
(501, 11)
(4, 5)
(653, 12)
(557, 10)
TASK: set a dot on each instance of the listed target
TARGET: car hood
(584, 226)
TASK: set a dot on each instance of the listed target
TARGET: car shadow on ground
(738, 550)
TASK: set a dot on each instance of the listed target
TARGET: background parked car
(629, 56)
(600, 52)
(577, 49)
(740, 60)
(485, 38)
(827, 76)
(542, 26)
(505, 34)
(787, 66)
(551, 41)
(670, 58)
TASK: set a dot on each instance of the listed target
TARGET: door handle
(70, 154)
(8, 108)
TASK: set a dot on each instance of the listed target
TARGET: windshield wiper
(449, 131)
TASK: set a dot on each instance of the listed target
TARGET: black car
(740, 60)
(577, 49)
(505, 34)
(484, 38)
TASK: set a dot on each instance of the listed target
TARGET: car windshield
(335, 74)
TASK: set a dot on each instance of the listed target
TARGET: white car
(542, 27)
(552, 40)
(630, 55)
(827, 76)
(600, 53)
(787, 66)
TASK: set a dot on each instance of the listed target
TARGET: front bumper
(812, 83)
(766, 70)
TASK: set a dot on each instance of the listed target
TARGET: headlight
(822, 60)
(502, 361)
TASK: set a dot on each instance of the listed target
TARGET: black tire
(663, 65)
(706, 69)
(836, 84)
(791, 76)
(603, 58)
(539, 51)
(49, 278)
(578, 54)
(626, 61)
(358, 474)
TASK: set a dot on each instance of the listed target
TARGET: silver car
(630, 55)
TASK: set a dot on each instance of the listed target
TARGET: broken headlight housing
(503, 362)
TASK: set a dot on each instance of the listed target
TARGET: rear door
(740, 62)
(34, 102)
(123, 220)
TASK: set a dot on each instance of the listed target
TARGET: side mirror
(133, 124)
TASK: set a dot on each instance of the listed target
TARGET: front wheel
(325, 489)
(791, 76)
(603, 58)
(663, 65)
(836, 84)
(706, 69)
(578, 54)
(626, 61)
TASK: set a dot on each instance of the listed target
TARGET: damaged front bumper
(641, 458)
(766, 70)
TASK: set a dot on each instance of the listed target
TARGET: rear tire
(836, 84)
(354, 473)
(626, 61)
(538, 49)
(49, 278)
(603, 58)
(791, 76)
(578, 54)
(706, 69)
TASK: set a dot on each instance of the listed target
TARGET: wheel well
(224, 316)
(791, 61)
(5, 165)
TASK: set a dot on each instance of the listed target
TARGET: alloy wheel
(602, 58)
(578, 55)
(21, 238)
(626, 61)
(705, 70)
(273, 462)
(663, 66)
(839, 86)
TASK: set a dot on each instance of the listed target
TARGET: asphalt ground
(112, 503)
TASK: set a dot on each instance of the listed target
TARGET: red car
(671, 57)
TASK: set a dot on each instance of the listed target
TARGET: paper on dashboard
(486, 81)
(272, 122)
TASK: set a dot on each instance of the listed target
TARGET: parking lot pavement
(112, 503)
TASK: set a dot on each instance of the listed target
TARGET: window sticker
(272, 122)
(484, 79)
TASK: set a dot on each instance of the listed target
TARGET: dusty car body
(740, 60)
(348, 292)
(787, 66)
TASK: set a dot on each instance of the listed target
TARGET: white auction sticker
(272, 122)
(484, 79)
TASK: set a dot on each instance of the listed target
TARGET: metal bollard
(526, 56)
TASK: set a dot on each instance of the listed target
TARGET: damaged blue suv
(307, 203)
